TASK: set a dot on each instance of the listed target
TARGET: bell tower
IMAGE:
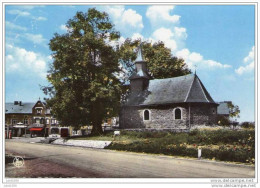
(139, 80)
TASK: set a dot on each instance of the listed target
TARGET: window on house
(146, 115)
(25, 121)
(47, 121)
(39, 111)
(14, 121)
(177, 113)
(37, 120)
(53, 121)
(55, 131)
(42, 121)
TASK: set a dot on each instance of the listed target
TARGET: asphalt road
(102, 163)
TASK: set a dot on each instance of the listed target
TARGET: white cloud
(116, 11)
(137, 36)
(21, 61)
(12, 26)
(165, 35)
(63, 27)
(19, 12)
(115, 43)
(180, 33)
(132, 18)
(161, 14)
(29, 7)
(249, 60)
(40, 18)
(195, 59)
(35, 38)
(250, 56)
(125, 20)
(245, 69)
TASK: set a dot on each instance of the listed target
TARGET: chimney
(16, 103)
(20, 103)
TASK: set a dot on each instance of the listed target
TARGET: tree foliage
(84, 89)
(248, 125)
(233, 110)
(160, 62)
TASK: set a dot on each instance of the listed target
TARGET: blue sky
(217, 39)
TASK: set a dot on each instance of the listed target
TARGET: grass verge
(221, 144)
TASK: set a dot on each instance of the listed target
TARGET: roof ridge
(189, 89)
(173, 77)
(203, 90)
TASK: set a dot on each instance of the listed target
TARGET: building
(37, 120)
(173, 103)
(224, 112)
(223, 108)
(29, 118)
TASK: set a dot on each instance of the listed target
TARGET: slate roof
(223, 108)
(183, 89)
(25, 108)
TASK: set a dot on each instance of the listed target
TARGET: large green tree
(84, 88)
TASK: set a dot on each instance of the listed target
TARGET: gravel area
(60, 141)
(82, 143)
(27, 140)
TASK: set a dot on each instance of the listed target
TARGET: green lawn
(220, 144)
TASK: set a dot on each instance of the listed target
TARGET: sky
(216, 40)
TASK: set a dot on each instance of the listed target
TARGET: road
(100, 163)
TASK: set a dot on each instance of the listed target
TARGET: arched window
(146, 115)
(177, 113)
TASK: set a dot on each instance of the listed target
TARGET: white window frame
(174, 113)
(53, 121)
(150, 114)
(39, 111)
(37, 120)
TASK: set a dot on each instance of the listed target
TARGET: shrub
(223, 121)
(173, 144)
(250, 125)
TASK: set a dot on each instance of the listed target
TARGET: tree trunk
(97, 118)
(96, 130)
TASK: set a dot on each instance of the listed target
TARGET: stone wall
(203, 114)
(162, 117)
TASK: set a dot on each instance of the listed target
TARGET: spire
(140, 53)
